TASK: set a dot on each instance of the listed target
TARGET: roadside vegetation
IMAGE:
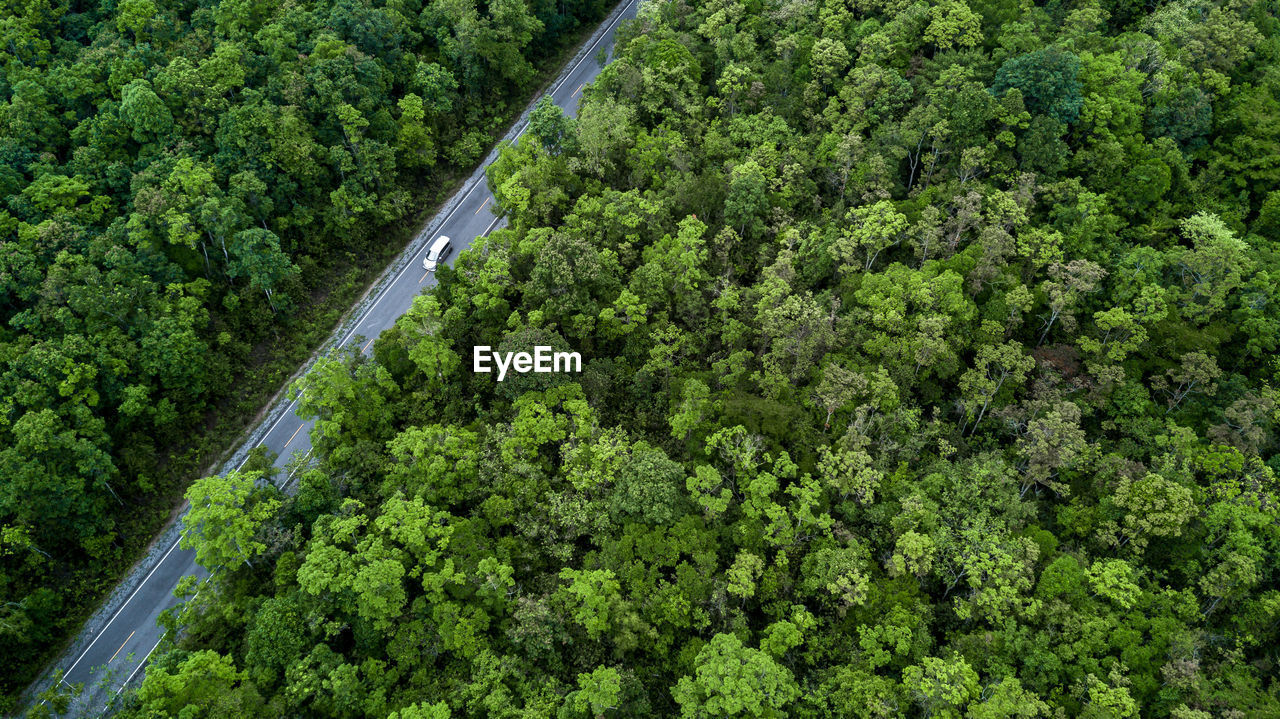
(193, 194)
(929, 358)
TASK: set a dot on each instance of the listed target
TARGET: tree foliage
(928, 372)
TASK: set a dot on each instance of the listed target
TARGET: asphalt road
(116, 655)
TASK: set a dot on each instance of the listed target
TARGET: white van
(440, 249)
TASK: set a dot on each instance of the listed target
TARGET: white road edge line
(289, 480)
(496, 220)
(288, 410)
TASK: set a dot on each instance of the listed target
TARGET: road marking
(362, 349)
(295, 434)
(483, 205)
(288, 409)
(289, 480)
(424, 277)
(141, 664)
(126, 641)
(575, 92)
(496, 220)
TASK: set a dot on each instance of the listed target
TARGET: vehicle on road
(440, 249)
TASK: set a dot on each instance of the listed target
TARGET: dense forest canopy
(179, 178)
(929, 350)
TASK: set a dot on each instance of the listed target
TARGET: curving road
(120, 646)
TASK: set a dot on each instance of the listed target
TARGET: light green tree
(942, 687)
(731, 680)
(598, 694)
(953, 24)
(593, 596)
(870, 230)
(225, 514)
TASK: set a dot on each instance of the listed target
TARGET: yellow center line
(126, 641)
(424, 277)
(482, 206)
(366, 345)
(575, 92)
(295, 434)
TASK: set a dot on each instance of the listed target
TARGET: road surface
(116, 654)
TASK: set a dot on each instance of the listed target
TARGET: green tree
(143, 111)
(1069, 283)
(256, 255)
(742, 575)
(953, 24)
(551, 128)
(942, 687)
(1213, 268)
(224, 516)
(203, 684)
(747, 199)
(733, 680)
(1049, 80)
(422, 710)
(992, 368)
(598, 694)
(1053, 441)
(593, 596)
(1195, 374)
(871, 230)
